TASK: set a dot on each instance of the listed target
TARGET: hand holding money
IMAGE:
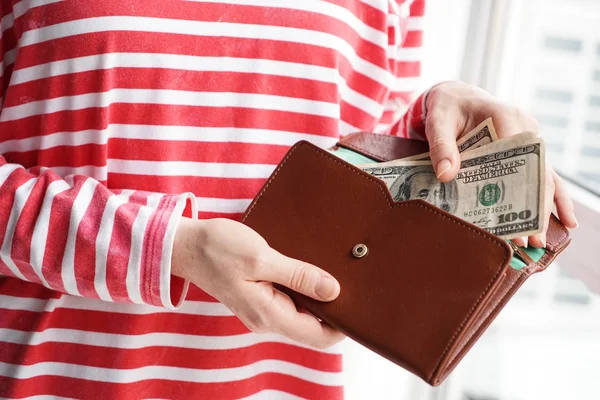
(455, 108)
(499, 186)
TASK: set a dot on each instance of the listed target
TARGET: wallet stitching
(395, 205)
(264, 189)
(553, 248)
(468, 317)
(545, 260)
(501, 303)
(548, 257)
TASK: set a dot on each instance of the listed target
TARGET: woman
(135, 133)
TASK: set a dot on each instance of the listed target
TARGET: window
(590, 177)
(553, 122)
(592, 126)
(562, 44)
(561, 96)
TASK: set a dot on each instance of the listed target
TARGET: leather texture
(430, 283)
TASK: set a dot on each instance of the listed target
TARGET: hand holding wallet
(418, 285)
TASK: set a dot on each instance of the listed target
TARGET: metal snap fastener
(360, 250)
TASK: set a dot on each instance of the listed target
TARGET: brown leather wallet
(426, 284)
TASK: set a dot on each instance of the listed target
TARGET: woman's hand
(455, 108)
(235, 265)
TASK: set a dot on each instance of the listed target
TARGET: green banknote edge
(350, 156)
(356, 158)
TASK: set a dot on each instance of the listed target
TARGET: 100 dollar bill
(499, 187)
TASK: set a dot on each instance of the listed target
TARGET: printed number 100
(513, 216)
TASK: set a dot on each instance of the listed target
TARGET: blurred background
(543, 55)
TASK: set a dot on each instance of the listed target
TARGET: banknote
(480, 136)
(499, 186)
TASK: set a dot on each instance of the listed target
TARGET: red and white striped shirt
(120, 116)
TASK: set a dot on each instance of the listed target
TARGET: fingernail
(443, 167)
(576, 222)
(526, 242)
(325, 287)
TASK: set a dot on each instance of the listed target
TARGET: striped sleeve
(403, 113)
(76, 236)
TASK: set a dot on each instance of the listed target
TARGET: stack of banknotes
(499, 187)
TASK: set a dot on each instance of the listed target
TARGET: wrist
(186, 237)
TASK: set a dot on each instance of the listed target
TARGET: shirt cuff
(417, 114)
(161, 288)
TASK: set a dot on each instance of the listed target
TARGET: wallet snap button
(360, 250)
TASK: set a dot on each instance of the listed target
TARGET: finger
(301, 277)
(509, 121)
(522, 241)
(302, 327)
(564, 204)
(305, 311)
(441, 130)
(539, 240)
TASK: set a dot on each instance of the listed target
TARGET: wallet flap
(424, 277)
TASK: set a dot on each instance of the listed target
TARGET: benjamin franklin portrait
(421, 183)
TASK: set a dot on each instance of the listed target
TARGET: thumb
(441, 131)
(303, 278)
